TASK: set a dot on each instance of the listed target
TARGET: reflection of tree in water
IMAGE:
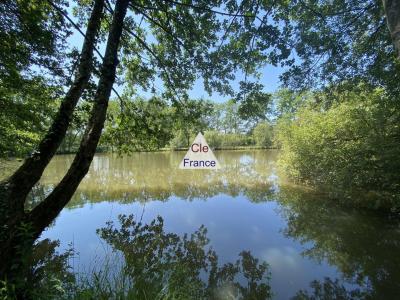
(329, 289)
(364, 246)
(155, 265)
(159, 265)
(155, 176)
(47, 274)
(164, 265)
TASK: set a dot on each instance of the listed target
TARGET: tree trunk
(14, 190)
(15, 233)
(46, 211)
(392, 11)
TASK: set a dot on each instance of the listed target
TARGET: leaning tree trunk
(14, 190)
(392, 11)
(14, 233)
(46, 211)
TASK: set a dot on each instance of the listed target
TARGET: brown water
(305, 239)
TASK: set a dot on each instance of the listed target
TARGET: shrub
(349, 148)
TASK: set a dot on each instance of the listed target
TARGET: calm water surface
(305, 239)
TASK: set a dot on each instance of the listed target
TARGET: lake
(311, 245)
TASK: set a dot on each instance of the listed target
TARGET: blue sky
(269, 75)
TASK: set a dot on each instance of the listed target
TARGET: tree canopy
(340, 41)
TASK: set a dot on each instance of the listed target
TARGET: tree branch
(147, 47)
(167, 31)
(392, 11)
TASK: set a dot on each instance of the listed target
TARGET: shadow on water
(362, 246)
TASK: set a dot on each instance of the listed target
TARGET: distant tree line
(151, 124)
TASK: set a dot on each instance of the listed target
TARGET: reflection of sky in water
(239, 206)
(233, 224)
(246, 159)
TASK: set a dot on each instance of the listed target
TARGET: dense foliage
(25, 115)
(32, 66)
(143, 125)
(350, 148)
(337, 136)
(339, 131)
(341, 40)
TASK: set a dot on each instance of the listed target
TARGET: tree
(343, 135)
(33, 41)
(176, 42)
(255, 109)
(214, 119)
(232, 122)
(179, 42)
(76, 129)
(33, 65)
(143, 125)
(350, 149)
(190, 118)
(392, 11)
(263, 134)
(25, 114)
(287, 102)
(343, 41)
(14, 190)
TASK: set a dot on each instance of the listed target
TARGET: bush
(349, 148)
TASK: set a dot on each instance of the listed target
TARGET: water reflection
(153, 264)
(314, 248)
(155, 176)
(47, 274)
(330, 289)
(150, 263)
(362, 245)
(158, 264)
